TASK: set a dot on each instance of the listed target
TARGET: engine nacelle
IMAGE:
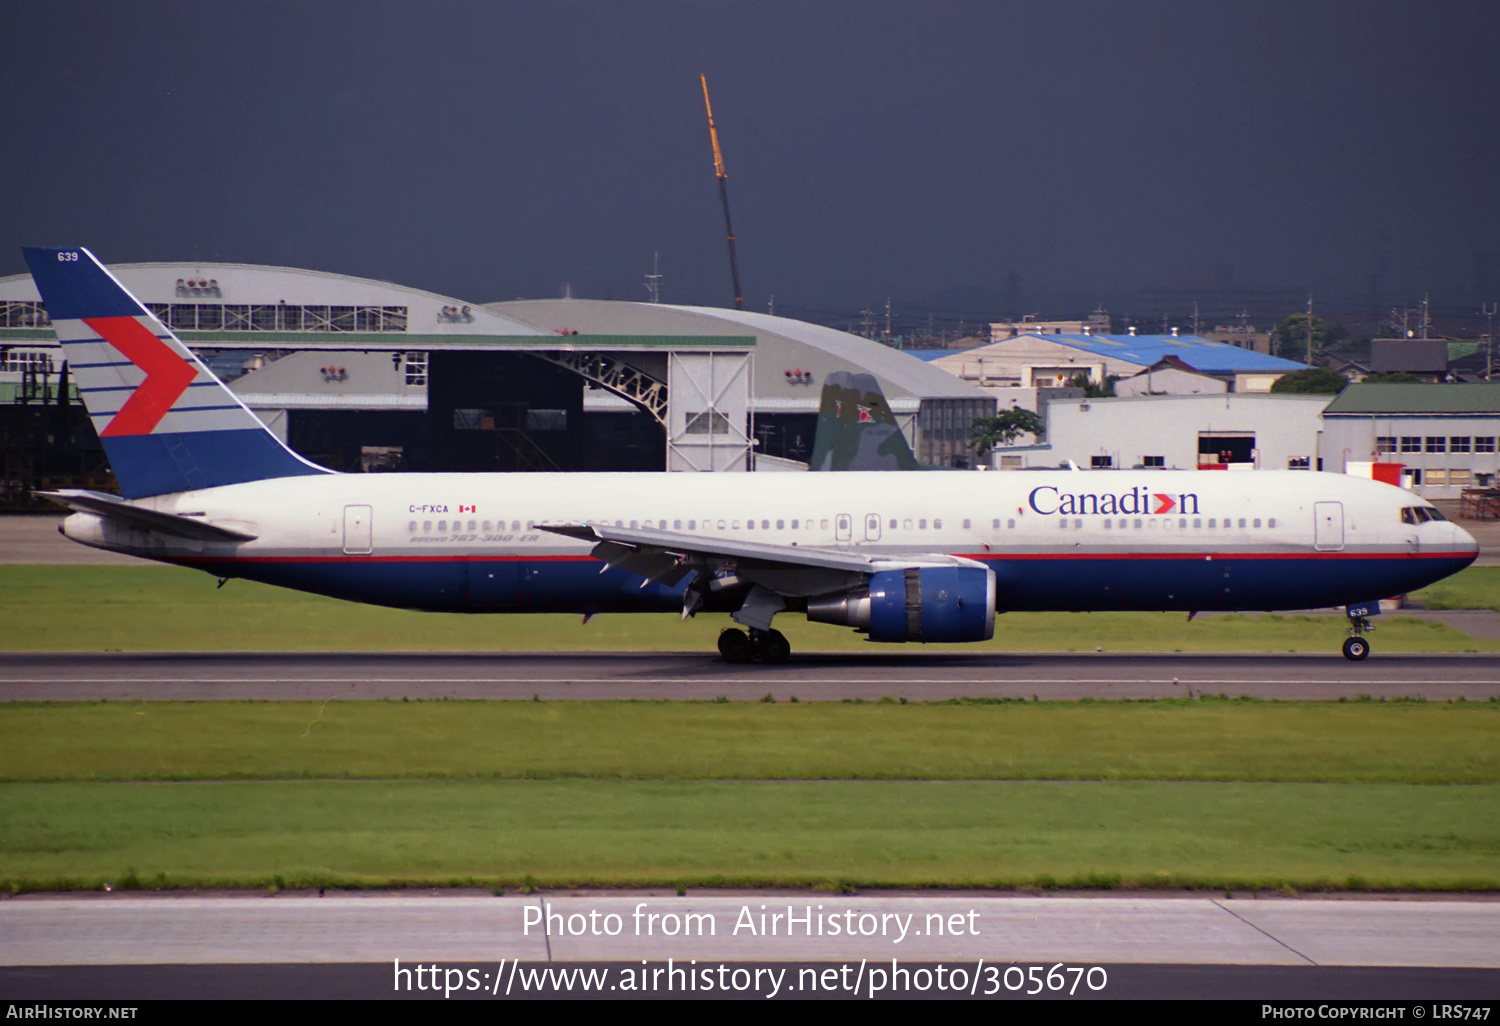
(931, 603)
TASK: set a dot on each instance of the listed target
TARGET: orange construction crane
(713, 135)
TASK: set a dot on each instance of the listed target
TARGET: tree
(1093, 391)
(989, 432)
(1317, 381)
(1391, 378)
(1289, 337)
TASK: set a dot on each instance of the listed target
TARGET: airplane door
(843, 527)
(1328, 532)
(356, 530)
(872, 527)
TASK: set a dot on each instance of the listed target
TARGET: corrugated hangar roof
(1363, 400)
(899, 373)
(1199, 353)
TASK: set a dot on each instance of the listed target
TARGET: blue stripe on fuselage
(1141, 582)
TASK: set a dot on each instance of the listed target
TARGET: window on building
(1298, 463)
(1410, 444)
(1153, 461)
(1458, 477)
(1458, 443)
(415, 365)
(1437, 443)
(1101, 462)
(1484, 443)
(1385, 443)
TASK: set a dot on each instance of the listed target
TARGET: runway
(90, 676)
(1179, 945)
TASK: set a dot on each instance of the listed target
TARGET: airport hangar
(360, 374)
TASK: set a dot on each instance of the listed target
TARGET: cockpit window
(1420, 514)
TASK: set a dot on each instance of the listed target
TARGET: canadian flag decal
(1165, 503)
(468, 509)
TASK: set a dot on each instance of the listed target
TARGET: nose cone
(1464, 544)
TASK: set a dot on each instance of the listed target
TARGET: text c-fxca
(205, 484)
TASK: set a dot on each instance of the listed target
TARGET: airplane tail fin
(856, 428)
(166, 423)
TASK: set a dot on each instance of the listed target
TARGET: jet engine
(930, 603)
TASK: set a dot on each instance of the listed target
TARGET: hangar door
(708, 403)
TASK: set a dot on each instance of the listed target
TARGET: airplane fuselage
(1056, 540)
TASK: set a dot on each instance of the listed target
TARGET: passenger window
(749, 524)
(1257, 522)
(721, 525)
(472, 526)
(995, 524)
(907, 525)
(1167, 523)
(781, 525)
(661, 525)
(442, 527)
(634, 524)
(412, 527)
(1106, 525)
(735, 524)
(1213, 522)
(677, 525)
(1198, 522)
(1242, 521)
(1137, 525)
(427, 527)
(967, 525)
(822, 525)
(1271, 522)
(893, 523)
(1062, 523)
(515, 525)
(937, 525)
(1182, 523)
(692, 525)
(922, 524)
(794, 525)
(1078, 524)
(1010, 523)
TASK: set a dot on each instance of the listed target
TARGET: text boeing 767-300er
(910, 557)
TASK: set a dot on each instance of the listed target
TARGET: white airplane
(916, 557)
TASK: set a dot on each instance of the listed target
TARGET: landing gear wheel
(735, 646)
(1356, 649)
(771, 646)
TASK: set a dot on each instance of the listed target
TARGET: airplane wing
(787, 570)
(116, 508)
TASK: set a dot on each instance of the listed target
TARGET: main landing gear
(766, 646)
(1355, 645)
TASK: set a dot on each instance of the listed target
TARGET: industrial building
(1444, 435)
(1226, 431)
(359, 374)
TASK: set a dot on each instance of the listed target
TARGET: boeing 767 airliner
(900, 557)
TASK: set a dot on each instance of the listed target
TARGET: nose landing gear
(765, 646)
(1355, 645)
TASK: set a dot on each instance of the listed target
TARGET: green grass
(1478, 587)
(158, 608)
(889, 834)
(1433, 743)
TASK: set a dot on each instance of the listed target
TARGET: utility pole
(713, 134)
(887, 320)
(1425, 319)
(1489, 310)
(653, 280)
(1195, 318)
(1309, 329)
(771, 305)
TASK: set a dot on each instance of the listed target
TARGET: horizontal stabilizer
(115, 508)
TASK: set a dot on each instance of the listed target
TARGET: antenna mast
(734, 267)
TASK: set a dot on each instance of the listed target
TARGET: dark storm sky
(918, 150)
